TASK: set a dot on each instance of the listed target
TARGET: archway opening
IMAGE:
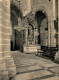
(16, 17)
(42, 28)
(14, 22)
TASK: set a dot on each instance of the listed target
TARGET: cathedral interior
(28, 26)
(32, 30)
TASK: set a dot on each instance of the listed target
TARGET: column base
(57, 56)
(3, 71)
(10, 67)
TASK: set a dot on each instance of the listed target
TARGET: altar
(31, 48)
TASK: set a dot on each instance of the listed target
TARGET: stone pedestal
(10, 66)
(3, 70)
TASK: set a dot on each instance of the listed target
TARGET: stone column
(57, 53)
(6, 33)
(26, 38)
(34, 35)
(51, 30)
(54, 18)
(52, 34)
(49, 33)
(58, 28)
(54, 10)
(3, 68)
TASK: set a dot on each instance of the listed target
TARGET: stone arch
(16, 4)
(14, 8)
(42, 8)
(42, 21)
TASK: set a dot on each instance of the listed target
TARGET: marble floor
(31, 67)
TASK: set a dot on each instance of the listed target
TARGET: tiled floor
(31, 67)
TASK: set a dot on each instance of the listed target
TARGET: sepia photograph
(29, 39)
